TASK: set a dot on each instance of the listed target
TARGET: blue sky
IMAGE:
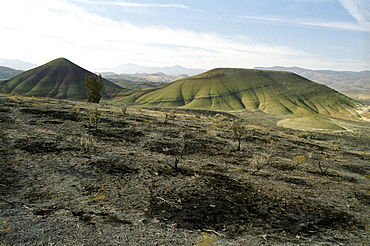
(314, 34)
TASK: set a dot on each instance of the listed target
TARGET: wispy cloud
(51, 29)
(63, 29)
(313, 23)
(360, 10)
(133, 4)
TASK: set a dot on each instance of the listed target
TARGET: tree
(94, 85)
(238, 132)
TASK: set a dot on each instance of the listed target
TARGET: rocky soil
(71, 174)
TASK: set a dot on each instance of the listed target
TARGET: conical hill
(59, 78)
(276, 92)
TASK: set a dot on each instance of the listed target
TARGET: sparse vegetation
(206, 239)
(178, 151)
(117, 184)
(94, 118)
(169, 116)
(238, 132)
(322, 170)
(124, 109)
(87, 142)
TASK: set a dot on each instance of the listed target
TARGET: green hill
(59, 78)
(353, 84)
(302, 103)
(282, 93)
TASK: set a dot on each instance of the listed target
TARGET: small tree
(238, 132)
(94, 85)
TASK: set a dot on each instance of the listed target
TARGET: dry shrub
(300, 159)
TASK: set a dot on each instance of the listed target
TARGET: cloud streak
(360, 10)
(313, 23)
(133, 4)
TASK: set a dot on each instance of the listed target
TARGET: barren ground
(63, 182)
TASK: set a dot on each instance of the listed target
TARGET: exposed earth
(73, 173)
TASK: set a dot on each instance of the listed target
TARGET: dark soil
(65, 182)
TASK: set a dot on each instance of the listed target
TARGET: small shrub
(300, 159)
(124, 109)
(238, 132)
(258, 162)
(179, 150)
(169, 116)
(94, 118)
(4, 227)
(321, 168)
(206, 239)
(87, 142)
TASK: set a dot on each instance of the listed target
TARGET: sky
(313, 34)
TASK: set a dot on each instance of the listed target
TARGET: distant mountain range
(59, 78)
(133, 69)
(353, 84)
(16, 64)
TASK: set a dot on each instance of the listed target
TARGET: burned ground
(63, 181)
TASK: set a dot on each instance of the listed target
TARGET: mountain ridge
(353, 84)
(130, 68)
(17, 64)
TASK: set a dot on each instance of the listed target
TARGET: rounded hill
(59, 78)
(230, 89)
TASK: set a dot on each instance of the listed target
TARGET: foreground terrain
(74, 174)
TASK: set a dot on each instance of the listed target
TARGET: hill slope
(281, 93)
(59, 78)
(352, 84)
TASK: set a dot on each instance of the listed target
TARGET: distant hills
(16, 64)
(59, 78)
(133, 68)
(353, 84)
(7, 72)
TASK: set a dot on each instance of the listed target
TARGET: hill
(280, 93)
(63, 181)
(352, 84)
(59, 78)
(7, 72)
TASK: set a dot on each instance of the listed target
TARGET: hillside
(65, 182)
(280, 93)
(353, 84)
(59, 78)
